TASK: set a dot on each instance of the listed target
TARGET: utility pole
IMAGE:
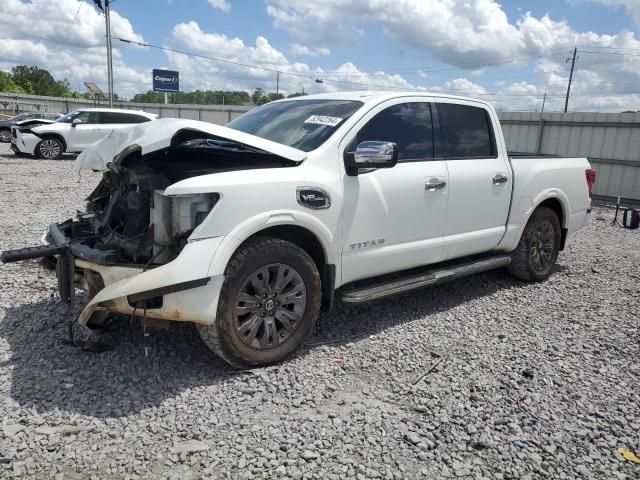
(573, 64)
(540, 127)
(278, 83)
(109, 57)
(107, 20)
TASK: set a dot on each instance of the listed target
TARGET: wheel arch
(57, 136)
(310, 243)
(317, 245)
(556, 204)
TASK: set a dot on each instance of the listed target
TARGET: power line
(76, 16)
(612, 53)
(299, 75)
(439, 68)
(215, 59)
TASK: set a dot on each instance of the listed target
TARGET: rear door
(480, 179)
(393, 219)
(110, 121)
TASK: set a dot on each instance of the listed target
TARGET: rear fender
(523, 209)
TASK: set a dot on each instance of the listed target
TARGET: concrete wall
(219, 114)
(611, 141)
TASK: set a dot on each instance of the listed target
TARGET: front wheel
(538, 249)
(50, 148)
(5, 135)
(269, 303)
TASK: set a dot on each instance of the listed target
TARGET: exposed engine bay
(128, 218)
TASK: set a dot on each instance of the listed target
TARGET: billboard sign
(165, 81)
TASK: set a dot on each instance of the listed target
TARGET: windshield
(302, 124)
(68, 118)
(20, 116)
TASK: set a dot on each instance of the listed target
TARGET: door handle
(434, 184)
(500, 179)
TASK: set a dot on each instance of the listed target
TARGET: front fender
(253, 225)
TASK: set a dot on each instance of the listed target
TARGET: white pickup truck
(249, 230)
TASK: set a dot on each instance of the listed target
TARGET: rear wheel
(538, 248)
(269, 303)
(50, 148)
(5, 135)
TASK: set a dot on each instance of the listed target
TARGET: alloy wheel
(49, 149)
(5, 136)
(542, 246)
(269, 306)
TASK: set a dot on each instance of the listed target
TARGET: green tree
(38, 81)
(8, 85)
(257, 96)
(297, 94)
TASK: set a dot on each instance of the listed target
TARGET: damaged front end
(130, 249)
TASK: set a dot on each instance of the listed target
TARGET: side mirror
(75, 122)
(372, 154)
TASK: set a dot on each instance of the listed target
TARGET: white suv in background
(74, 132)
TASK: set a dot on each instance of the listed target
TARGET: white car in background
(73, 132)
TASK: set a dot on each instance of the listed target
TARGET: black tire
(537, 251)
(5, 135)
(267, 339)
(50, 148)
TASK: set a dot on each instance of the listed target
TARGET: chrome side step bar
(434, 276)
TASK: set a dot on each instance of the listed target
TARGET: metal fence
(611, 141)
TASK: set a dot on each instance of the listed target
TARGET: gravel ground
(482, 378)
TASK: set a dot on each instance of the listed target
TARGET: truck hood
(156, 135)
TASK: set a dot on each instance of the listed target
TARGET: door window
(408, 125)
(466, 131)
(86, 117)
(119, 117)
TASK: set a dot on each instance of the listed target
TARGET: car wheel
(50, 148)
(269, 303)
(5, 135)
(538, 248)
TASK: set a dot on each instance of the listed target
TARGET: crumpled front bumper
(181, 290)
(26, 143)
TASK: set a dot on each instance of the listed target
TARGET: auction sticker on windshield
(323, 120)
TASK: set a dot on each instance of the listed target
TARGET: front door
(480, 179)
(84, 131)
(393, 219)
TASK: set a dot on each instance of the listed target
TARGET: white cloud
(300, 50)
(44, 33)
(463, 86)
(631, 6)
(220, 5)
(477, 35)
(205, 73)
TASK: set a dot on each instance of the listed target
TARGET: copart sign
(166, 81)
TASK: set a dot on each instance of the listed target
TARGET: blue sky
(509, 53)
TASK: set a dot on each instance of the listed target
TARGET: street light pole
(109, 56)
(107, 20)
